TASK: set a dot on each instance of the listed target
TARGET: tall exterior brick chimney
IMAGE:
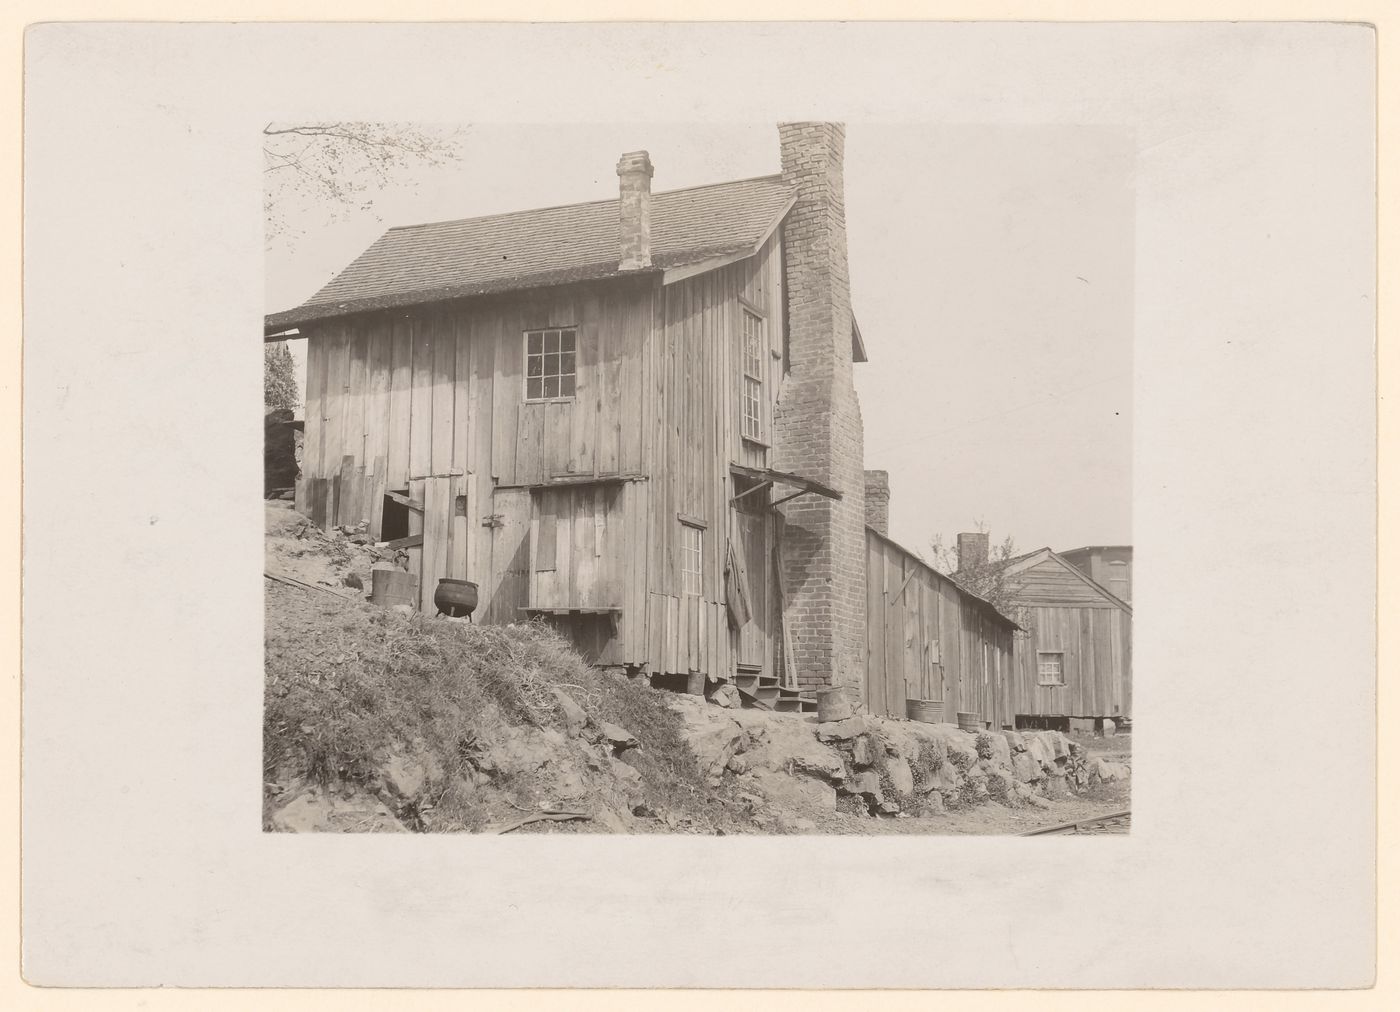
(817, 424)
(972, 550)
(634, 173)
(877, 501)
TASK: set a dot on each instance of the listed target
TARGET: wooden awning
(766, 476)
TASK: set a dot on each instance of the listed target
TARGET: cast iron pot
(455, 598)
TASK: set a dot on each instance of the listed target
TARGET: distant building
(1073, 655)
(1108, 565)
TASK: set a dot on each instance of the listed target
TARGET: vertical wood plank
(356, 390)
(376, 501)
(377, 404)
(420, 435)
(337, 375)
(444, 394)
(315, 409)
(461, 396)
(400, 401)
(416, 494)
(437, 508)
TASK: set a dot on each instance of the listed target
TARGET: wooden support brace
(412, 541)
(404, 500)
(900, 592)
(761, 486)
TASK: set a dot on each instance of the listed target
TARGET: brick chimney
(972, 550)
(817, 428)
(877, 501)
(634, 210)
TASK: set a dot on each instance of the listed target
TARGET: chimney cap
(635, 161)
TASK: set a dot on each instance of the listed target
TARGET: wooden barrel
(927, 711)
(392, 587)
(969, 721)
(834, 704)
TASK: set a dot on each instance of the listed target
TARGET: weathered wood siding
(1062, 614)
(694, 378)
(926, 639)
(432, 402)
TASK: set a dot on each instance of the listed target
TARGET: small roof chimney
(972, 551)
(634, 173)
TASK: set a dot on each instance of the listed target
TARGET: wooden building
(930, 639)
(1073, 657)
(1110, 566)
(575, 408)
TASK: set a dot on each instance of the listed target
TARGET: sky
(991, 271)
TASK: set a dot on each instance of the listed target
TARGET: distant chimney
(972, 551)
(634, 210)
(877, 501)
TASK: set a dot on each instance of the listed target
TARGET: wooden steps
(766, 693)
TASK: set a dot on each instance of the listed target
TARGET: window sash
(751, 393)
(1050, 667)
(692, 555)
(551, 364)
(753, 407)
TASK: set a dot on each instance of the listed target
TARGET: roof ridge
(582, 203)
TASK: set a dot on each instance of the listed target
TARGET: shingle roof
(415, 264)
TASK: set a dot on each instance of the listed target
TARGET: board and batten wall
(695, 381)
(432, 401)
(927, 639)
(1062, 614)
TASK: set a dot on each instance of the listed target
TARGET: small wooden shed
(1074, 654)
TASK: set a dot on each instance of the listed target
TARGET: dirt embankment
(376, 721)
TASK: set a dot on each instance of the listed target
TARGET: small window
(692, 554)
(1052, 667)
(549, 363)
(752, 394)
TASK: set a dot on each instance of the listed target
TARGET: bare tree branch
(339, 166)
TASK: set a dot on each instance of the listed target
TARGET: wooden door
(507, 589)
(751, 548)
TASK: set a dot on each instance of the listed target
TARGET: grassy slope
(350, 686)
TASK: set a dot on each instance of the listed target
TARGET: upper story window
(1118, 580)
(752, 394)
(549, 363)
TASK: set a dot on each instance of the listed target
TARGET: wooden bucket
(392, 587)
(834, 704)
(927, 711)
(969, 721)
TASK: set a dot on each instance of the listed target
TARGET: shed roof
(986, 606)
(416, 264)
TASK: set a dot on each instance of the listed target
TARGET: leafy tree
(279, 378)
(988, 580)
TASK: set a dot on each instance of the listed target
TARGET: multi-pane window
(1052, 667)
(549, 363)
(753, 376)
(692, 545)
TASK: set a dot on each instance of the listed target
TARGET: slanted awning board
(767, 476)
